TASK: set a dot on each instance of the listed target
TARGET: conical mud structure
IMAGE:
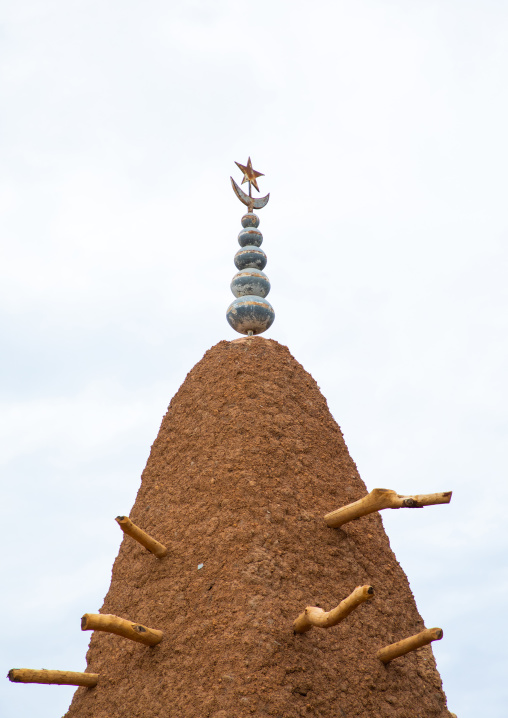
(247, 463)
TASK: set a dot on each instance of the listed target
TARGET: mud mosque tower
(255, 577)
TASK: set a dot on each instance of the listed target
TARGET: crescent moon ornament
(250, 202)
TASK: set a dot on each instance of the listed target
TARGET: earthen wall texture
(247, 461)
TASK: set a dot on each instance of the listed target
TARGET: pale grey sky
(380, 127)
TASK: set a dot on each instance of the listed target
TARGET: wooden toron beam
(114, 624)
(400, 648)
(141, 536)
(383, 499)
(61, 678)
(314, 616)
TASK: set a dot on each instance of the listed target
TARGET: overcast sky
(381, 128)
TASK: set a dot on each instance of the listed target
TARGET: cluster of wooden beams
(101, 622)
(315, 616)
(312, 616)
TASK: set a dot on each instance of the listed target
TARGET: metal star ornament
(249, 174)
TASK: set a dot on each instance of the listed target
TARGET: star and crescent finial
(250, 313)
(250, 175)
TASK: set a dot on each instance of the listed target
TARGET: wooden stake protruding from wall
(61, 678)
(141, 536)
(314, 616)
(400, 648)
(383, 499)
(114, 624)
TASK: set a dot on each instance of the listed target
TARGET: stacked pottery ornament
(250, 313)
